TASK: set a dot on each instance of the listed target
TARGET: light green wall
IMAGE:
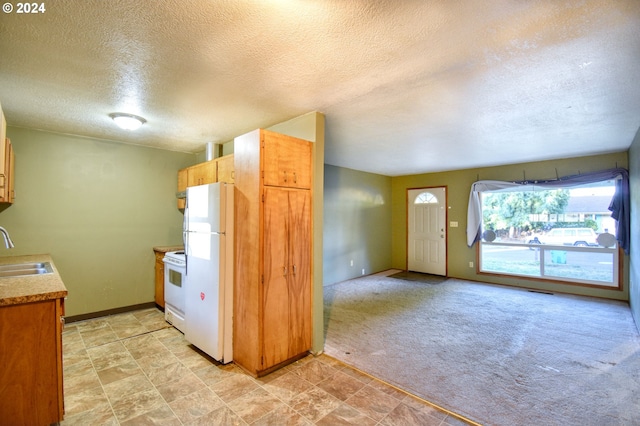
(458, 185)
(634, 264)
(357, 225)
(98, 207)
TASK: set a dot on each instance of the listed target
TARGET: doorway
(427, 231)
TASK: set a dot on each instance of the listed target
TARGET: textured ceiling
(406, 86)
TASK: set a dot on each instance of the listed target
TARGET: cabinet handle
(284, 271)
(285, 175)
(294, 269)
(295, 177)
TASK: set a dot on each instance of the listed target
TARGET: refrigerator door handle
(185, 234)
(185, 241)
(184, 223)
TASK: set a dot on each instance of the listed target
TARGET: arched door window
(426, 198)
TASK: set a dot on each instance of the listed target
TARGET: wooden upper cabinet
(286, 162)
(201, 174)
(225, 169)
(7, 161)
(7, 192)
(217, 170)
(3, 136)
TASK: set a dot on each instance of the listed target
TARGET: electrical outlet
(470, 264)
(351, 262)
(362, 271)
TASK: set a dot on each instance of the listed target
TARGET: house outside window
(564, 234)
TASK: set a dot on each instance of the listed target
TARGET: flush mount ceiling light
(127, 121)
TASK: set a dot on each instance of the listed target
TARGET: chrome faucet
(7, 239)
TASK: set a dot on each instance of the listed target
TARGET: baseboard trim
(108, 312)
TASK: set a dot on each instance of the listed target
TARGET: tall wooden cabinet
(273, 251)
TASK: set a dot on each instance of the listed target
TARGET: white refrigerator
(208, 239)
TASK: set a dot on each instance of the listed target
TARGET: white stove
(175, 267)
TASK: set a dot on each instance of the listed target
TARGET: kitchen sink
(25, 269)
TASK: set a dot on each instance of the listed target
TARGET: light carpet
(494, 354)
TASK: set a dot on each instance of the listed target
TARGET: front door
(427, 231)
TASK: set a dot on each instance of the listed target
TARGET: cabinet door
(59, 328)
(286, 161)
(159, 279)
(201, 174)
(287, 274)
(225, 169)
(299, 284)
(31, 358)
(12, 173)
(3, 135)
(6, 179)
(275, 291)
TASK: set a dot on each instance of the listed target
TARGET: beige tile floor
(134, 369)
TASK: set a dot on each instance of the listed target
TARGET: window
(426, 198)
(560, 234)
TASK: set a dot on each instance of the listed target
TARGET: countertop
(164, 249)
(32, 288)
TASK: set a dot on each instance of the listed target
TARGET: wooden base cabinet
(159, 278)
(31, 390)
(273, 251)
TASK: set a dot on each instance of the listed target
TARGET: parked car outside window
(570, 236)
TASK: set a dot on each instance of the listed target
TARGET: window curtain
(619, 206)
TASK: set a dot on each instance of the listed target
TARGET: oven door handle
(172, 262)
